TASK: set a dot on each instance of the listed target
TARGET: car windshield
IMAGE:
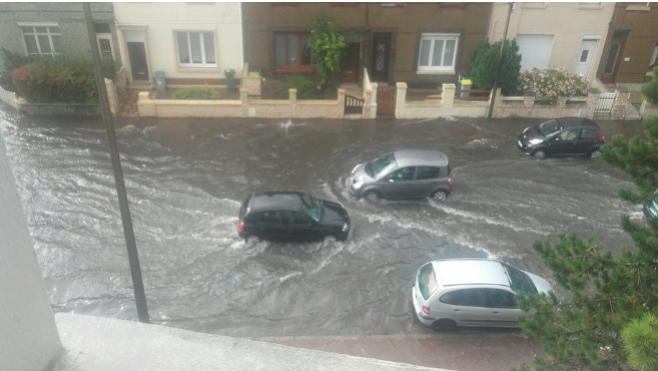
(519, 281)
(375, 167)
(312, 207)
(427, 280)
(549, 127)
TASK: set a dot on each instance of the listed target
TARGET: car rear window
(427, 281)
(244, 209)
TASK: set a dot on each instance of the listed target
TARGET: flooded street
(186, 179)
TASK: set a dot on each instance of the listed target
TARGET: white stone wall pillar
(28, 336)
(373, 100)
(448, 96)
(400, 99)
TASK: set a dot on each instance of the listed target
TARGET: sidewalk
(466, 350)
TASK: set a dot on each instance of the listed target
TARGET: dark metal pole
(500, 61)
(133, 257)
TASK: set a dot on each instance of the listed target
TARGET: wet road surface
(187, 177)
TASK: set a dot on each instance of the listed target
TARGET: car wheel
(439, 196)
(595, 153)
(443, 325)
(330, 238)
(372, 196)
(253, 239)
(540, 153)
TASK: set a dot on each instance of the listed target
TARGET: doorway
(585, 57)
(349, 68)
(136, 47)
(612, 61)
(381, 56)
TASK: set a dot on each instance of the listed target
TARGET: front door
(587, 51)
(613, 59)
(399, 183)
(349, 68)
(137, 57)
(381, 56)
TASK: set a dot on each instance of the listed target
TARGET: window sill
(533, 6)
(451, 72)
(200, 69)
(591, 7)
(641, 8)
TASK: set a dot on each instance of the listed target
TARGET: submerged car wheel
(595, 153)
(372, 196)
(540, 153)
(439, 196)
(330, 238)
(444, 325)
(253, 239)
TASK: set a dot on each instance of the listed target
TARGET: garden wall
(648, 110)
(8, 97)
(526, 106)
(73, 109)
(245, 107)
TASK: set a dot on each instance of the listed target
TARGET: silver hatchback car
(402, 174)
(472, 292)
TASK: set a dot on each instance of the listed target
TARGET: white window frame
(36, 35)
(432, 37)
(202, 45)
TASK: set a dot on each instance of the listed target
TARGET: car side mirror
(557, 139)
(391, 180)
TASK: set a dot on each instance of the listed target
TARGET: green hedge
(197, 93)
(60, 81)
(11, 61)
(306, 88)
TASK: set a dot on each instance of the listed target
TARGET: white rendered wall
(569, 23)
(161, 20)
(28, 337)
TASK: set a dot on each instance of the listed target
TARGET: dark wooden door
(386, 96)
(138, 65)
(349, 68)
(381, 56)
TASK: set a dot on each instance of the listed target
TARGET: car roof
(454, 272)
(413, 157)
(576, 121)
(276, 201)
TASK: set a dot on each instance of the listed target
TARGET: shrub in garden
(306, 88)
(59, 81)
(11, 61)
(549, 84)
(650, 89)
(197, 92)
(485, 60)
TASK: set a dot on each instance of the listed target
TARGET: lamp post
(500, 61)
(133, 257)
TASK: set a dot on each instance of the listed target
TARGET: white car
(471, 293)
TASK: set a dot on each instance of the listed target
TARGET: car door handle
(457, 310)
(495, 312)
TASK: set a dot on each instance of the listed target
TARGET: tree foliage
(485, 60)
(606, 290)
(641, 342)
(327, 46)
(10, 62)
(650, 89)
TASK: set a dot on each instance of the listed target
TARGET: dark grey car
(402, 174)
(566, 136)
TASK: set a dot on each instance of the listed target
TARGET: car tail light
(450, 182)
(426, 310)
(601, 137)
(241, 226)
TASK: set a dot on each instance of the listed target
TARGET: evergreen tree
(641, 342)
(484, 61)
(607, 290)
(650, 89)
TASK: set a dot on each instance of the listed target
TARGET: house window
(42, 40)
(438, 52)
(653, 62)
(196, 49)
(293, 52)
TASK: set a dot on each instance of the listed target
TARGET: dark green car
(651, 208)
